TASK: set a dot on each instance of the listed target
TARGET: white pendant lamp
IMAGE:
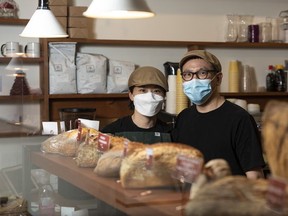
(43, 24)
(118, 9)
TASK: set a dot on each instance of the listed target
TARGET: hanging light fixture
(118, 9)
(43, 24)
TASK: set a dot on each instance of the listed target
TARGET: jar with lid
(280, 78)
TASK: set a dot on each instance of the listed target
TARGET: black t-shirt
(126, 127)
(228, 132)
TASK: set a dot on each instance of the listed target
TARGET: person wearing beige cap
(215, 126)
(147, 90)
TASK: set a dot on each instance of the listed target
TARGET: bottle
(46, 196)
(270, 79)
(280, 78)
(46, 202)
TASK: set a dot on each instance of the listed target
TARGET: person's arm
(255, 174)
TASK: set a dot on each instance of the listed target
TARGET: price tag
(79, 135)
(103, 142)
(276, 193)
(125, 149)
(187, 168)
(87, 137)
(149, 158)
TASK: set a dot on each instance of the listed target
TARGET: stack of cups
(234, 82)
(171, 95)
(253, 109)
(181, 98)
(241, 103)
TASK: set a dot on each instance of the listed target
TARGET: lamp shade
(118, 9)
(43, 24)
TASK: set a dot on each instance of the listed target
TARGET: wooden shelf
(23, 59)
(77, 96)
(10, 129)
(160, 202)
(115, 105)
(256, 94)
(24, 98)
(188, 44)
(13, 21)
(261, 98)
(226, 45)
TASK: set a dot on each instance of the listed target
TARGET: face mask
(198, 91)
(148, 104)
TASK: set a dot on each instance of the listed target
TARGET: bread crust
(134, 173)
(110, 162)
(66, 143)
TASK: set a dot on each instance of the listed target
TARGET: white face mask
(148, 104)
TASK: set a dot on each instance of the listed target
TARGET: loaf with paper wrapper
(110, 162)
(142, 170)
(67, 143)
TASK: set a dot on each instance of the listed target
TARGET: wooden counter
(159, 202)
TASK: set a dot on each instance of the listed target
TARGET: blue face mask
(197, 90)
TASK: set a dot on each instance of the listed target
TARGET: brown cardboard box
(78, 32)
(77, 22)
(58, 2)
(62, 21)
(61, 11)
(76, 11)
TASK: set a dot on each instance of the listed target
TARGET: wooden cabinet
(112, 106)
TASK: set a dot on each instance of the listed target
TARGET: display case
(11, 128)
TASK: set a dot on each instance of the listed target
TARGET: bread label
(149, 158)
(103, 142)
(79, 135)
(276, 193)
(187, 168)
(125, 149)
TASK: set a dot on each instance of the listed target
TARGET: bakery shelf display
(109, 190)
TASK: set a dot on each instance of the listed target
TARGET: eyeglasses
(201, 74)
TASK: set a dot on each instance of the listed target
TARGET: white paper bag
(118, 75)
(91, 73)
(62, 68)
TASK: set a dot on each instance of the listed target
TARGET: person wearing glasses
(215, 126)
(147, 90)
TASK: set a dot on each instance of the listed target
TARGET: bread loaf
(66, 143)
(88, 154)
(275, 137)
(110, 162)
(133, 171)
(232, 195)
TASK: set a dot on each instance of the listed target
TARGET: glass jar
(266, 32)
(232, 27)
(244, 21)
